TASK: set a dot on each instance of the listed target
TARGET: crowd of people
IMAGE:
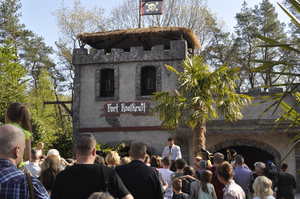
(137, 175)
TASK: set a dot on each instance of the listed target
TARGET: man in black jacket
(84, 178)
(286, 184)
(141, 180)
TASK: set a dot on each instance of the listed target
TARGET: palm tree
(202, 95)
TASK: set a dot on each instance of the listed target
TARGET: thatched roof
(146, 37)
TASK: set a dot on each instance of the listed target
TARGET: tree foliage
(202, 95)
(12, 78)
(29, 75)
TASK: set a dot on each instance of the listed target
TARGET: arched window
(148, 80)
(107, 82)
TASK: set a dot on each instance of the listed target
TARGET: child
(177, 188)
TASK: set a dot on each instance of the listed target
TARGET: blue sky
(38, 16)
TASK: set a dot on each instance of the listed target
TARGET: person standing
(218, 159)
(242, 174)
(177, 188)
(262, 187)
(180, 164)
(14, 184)
(166, 174)
(286, 184)
(141, 180)
(33, 166)
(259, 170)
(225, 176)
(203, 189)
(84, 178)
(172, 151)
(18, 115)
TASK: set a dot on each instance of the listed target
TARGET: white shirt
(33, 168)
(167, 177)
(233, 191)
(173, 153)
(268, 197)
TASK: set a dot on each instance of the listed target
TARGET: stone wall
(89, 114)
(276, 144)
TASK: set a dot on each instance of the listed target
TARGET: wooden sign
(127, 107)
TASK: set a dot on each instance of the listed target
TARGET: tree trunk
(199, 139)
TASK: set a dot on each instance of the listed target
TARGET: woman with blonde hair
(262, 187)
(112, 159)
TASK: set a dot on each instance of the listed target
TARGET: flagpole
(140, 16)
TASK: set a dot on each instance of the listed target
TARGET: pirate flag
(151, 7)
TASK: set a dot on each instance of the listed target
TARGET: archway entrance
(251, 154)
(252, 150)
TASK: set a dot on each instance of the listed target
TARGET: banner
(151, 7)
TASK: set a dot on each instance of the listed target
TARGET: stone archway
(248, 143)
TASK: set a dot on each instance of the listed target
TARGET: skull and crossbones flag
(151, 7)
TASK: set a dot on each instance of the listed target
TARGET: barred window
(148, 80)
(107, 82)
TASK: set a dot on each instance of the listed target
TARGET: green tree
(289, 111)
(51, 125)
(202, 95)
(268, 25)
(245, 43)
(12, 78)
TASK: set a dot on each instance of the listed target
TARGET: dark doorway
(251, 154)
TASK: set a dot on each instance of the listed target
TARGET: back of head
(284, 166)
(138, 150)
(18, 113)
(260, 168)
(218, 158)
(206, 177)
(262, 187)
(51, 162)
(239, 160)
(188, 170)
(225, 170)
(112, 158)
(166, 162)
(10, 138)
(85, 144)
(180, 164)
(155, 161)
(53, 152)
(100, 195)
(177, 184)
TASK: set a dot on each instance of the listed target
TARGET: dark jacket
(217, 184)
(286, 185)
(141, 180)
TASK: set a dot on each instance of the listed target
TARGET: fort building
(116, 75)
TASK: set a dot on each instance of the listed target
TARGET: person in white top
(166, 174)
(262, 187)
(225, 176)
(172, 151)
(33, 167)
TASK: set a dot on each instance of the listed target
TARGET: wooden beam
(58, 102)
(62, 103)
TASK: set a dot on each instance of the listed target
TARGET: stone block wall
(89, 113)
